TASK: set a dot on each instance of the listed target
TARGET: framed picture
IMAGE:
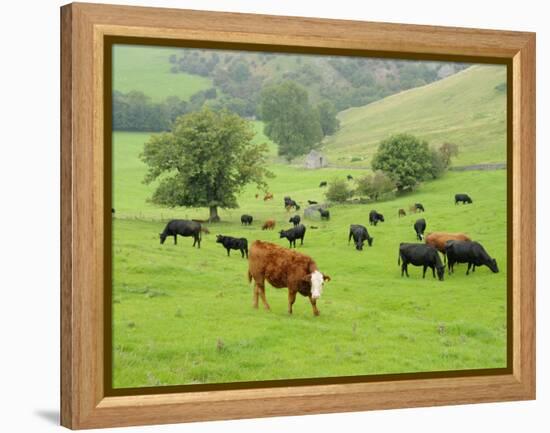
(265, 216)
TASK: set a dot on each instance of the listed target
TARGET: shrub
(338, 191)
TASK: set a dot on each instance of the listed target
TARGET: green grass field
(146, 69)
(464, 108)
(183, 315)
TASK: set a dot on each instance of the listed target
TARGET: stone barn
(315, 159)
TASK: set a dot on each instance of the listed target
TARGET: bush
(338, 191)
(375, 187)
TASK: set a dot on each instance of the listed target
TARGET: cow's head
(359, 245)
(369, 240)
(440, 272)
(162, 238)
(219, 239)
(380, 217)
(282, 234)
(317, 280)
(493, 265)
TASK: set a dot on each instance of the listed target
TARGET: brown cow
(401, 213)
(438, 240)
(413, 209)
(269, 225)
(268, 196)
(284, 268)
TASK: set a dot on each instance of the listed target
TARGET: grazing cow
(284, 268)
(470, 252)
(205, 230)
(289, 203)
(419, 228)
(311, 202)
(323, 183)
(325, 214)
(268, 196)
(439, 239)
(419, 207)
(464, 198)
(246, 219)
(375, 217)
(420, 255)
(295, 220)
(413, 209)
(297, 232)
(359, 234)
(401, 213)
(349, 177)
(231, 243)
(257, 195)
(269, 225)
(183, 228)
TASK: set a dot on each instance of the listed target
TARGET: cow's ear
(326, 277)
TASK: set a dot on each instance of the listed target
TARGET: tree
(205, 161)
(327, 118)
(438, 164)
(405, 159)
(338, 191)
(447, 151)
(374, 186)
(290, 121)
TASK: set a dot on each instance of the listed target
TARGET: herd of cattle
(283, 267)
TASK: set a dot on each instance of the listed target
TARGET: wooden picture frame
(85, 214)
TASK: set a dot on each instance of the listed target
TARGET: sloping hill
(468, 108)
(146, 69)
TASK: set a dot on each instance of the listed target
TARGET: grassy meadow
(146, 69)
(183, 315)
(466, 108)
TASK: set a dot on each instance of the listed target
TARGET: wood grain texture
(84, 26)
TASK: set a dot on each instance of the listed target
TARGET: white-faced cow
(284, 268)
(419, 228)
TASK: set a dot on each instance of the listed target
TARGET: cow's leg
(255, 294)
(227, 251)
(424, 267)
(302, 241)
(261, 291)
(469, 266)
(175, 239)
(314, 305)
(473, 268)
(291, 299)
(433, 271)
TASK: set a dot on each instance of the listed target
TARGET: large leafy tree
(327, 118)
(290, 121)
(205, 161)
(405, 159)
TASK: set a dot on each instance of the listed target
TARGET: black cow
(246, 219)
(295, 220)
(419, 207)
(464, 198)
(312, 202)
(419, 228)
(420, 255)
(297, 232)
(183, 228)
(375, 217)
(359, 234)
(231, 243)
(469, 252)
(349, 177)
(325, 214)
(323, 183)
(291, 203)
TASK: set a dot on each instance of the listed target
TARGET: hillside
(467, 108)
(147, 70)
